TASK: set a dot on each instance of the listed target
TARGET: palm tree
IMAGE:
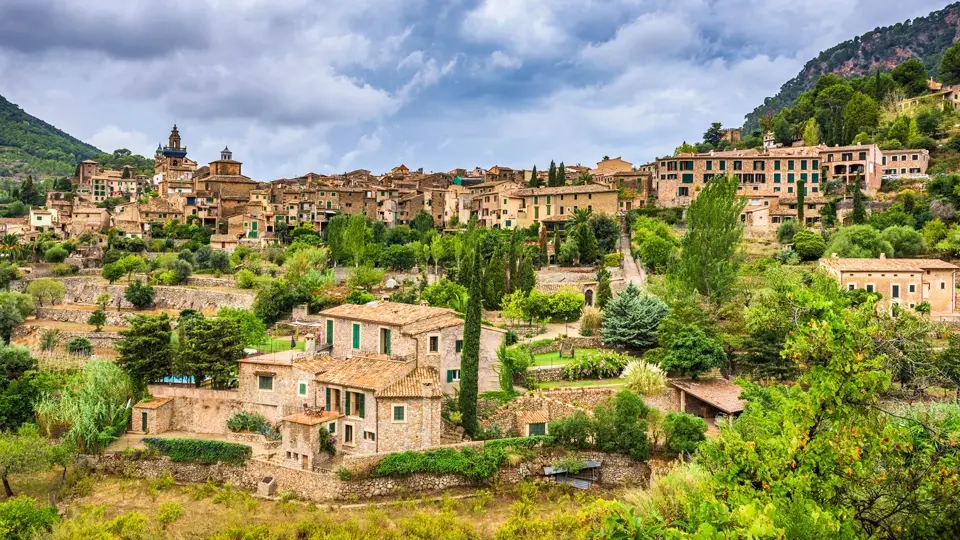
(10, 246)
(580, 216)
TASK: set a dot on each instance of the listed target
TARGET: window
(356, 336)
(851, 286)
(459, 345)
(815, 178)
(329, 331)
(776, 177)
(914, 157)
(790, 165)
(683, 192)
(869, 287)
(803, 164)
(790, 178)
(332, 427)
(399, 414)
(895, 291)
(265, 382)
(434, 344)
(894, 158)
(384, 341)
(354, 404)
(709, 165)
(369, 436)
(776, 165)
(453, 375)
(943, 285)
(539, 428)
(738, 165)
(863, 156)
(687, 178)
(912, 288)
(723, 165)
(347, 434)
(302, 388)
(814, 164)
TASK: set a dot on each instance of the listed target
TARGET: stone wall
(97, 339)
(617, 470)
(84, 290)
(209, 281)
(80, 316)
(577, 342)
(544, 374)
(505, 418)
(201, 410)
(585, 397)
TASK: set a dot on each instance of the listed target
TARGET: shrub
(442, 293)
(590, 320)
(56, 254)
(475, 464)
(344, 474)
(692, 352)
(168, 513)
(611, 260)
(22, 518)
(573, 431)
(61, 270)
(599, 365)
(786, 231)
(644, 378)
(245, 279)
(809, 245)
(365, 277)
(359, 296)
(200, 450)
(787, 256)
(619, 424)
(684, 432)
(244, 421)
(140, 295)
(79, 345)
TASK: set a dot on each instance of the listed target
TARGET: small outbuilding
(708, 398)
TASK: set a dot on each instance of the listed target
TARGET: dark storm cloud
(132, 30)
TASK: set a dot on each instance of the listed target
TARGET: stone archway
(588, 297)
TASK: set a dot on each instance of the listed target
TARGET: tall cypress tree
(470, 359)
(534, 181)
(801, 193)
(556, 246)
(513, 260)
(552, 174)
(859, 215)
(528, 278)
(561, 175)
(544, 254)
(587, 240)
(604, 293)
(494, 278)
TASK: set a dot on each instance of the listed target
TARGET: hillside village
(755, 336)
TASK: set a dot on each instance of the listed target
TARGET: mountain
(882, 48)
(29, 145)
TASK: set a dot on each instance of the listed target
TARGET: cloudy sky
(327, 86)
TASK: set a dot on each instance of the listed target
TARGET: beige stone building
(552, 205)
(904, 282)
(897, 163)
(612, 166)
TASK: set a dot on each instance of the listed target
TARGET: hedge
(472, 463)
(201, 450)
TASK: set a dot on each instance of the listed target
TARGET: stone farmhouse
(373, 376)
(902, 282)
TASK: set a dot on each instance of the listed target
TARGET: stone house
(902, 282)
(708, 398)
(612, 166)
(897, 163)
(537, 205)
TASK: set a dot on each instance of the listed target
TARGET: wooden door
(143, 422)
(303, 458)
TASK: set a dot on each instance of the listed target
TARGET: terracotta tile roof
(532, 417)
(311, 419)
(390, 313)
(154, 403)
(792, 199)
(719, 393)
(563, 190)
(414, 384)
(432, 324)
(886, 265)
(315, 365)
(365, 373)
(281, 358)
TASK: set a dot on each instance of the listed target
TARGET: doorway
(143, 422)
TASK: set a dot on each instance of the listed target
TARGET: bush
(599, 365)
(245, 279)
(56, 254)
(644, 378)
(573, 431)
(168, 513)
(590, 320)
(692, 352)
(684, 432)
(244, 421)
(475, 464)
(359, 296)
(787, 256)
(22, 518)
(79, 345)
(140, 295)
(365, 277)
(809, 245)
(611, 260)
(442, 293)
(619, 424)
(61, 270)
(397, 257)
(786, 231)
(200, 450)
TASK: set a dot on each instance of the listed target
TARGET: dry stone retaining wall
(84, 290)
(114, 318)
(580, 342)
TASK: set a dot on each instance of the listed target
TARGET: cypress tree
(493, 282)
(528, 278)
(534, 181)
(470, 359)
(544, 255)
(556, 246)
(552, 175)
(587, 241)
(561, 175)
(513, 260)
(859, 215)
(604, 293)
(801, 192)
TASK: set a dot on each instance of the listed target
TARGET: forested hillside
(880, 49)
(29, 145)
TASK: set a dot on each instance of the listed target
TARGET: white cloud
(530, 28)
(111, 137)
(659, 35)
(501, 60)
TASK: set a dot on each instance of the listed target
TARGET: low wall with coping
(80, 316)
(544, 374)
(85, 289)
(577, 342)
(202, 410)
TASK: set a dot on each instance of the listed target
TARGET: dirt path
(631, 270)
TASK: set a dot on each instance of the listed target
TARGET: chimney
(834, 256)
(883, 256)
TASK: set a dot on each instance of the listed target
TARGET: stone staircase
(451, 434)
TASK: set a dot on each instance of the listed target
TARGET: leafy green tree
(684, 432)
(912, 76)
(274, 301)
(422, 223)
(112, 272)
(606, 229)
(443, 293)
(144, 349)
(56, 254)
(97, 319)
(355, 237)
(811, 132)
(252, 329)
(786, 231)
(22, 452)
(604, 292)
(29, 194)
(140, 295)
(709, 259)
(861, 114)
(809, 245)
(47, 290)
(692, 352)
(365, 277)
(470, 357)
(950, 66)
(397, 257)
(14, 308)
(333, 235)
(714, 134)
(782, 131)
(858, 241)
(211, 348)
(631, 319)
(304, 261)
(905, 241)
(830, 105)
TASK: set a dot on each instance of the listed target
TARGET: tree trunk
(6, 485)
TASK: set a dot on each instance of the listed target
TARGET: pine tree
(470, 357)
(528, 278)
(534, 181)
(859, 215)
(144, 349)
(801, 193)
(561, 175)
(552, 175)
(29, 194)
(604, 293)
(211, 348)
(631, 320)
(494, 278)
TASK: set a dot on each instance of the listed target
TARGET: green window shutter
(360, 404)
(776, 178)
(347, 411)
(302, 389)
(709, 165)
(328, 399)
(815, 164)
(386, 337)
(815, 177)
(776, 165)
(687, 178)
(449, 375)
(723, 165)
(356, 336)
(538, 429)
(329, 331)
(332, 428)
(536, 212)
(459, 345)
